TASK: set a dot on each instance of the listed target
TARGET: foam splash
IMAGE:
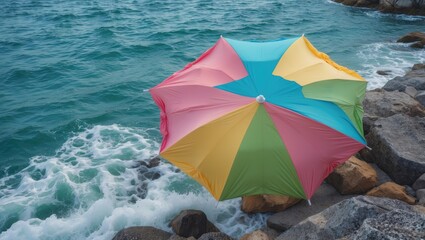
(396, 58)
(402, 17)
(88, 190)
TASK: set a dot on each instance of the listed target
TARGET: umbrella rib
(286, 76)
(191, 69)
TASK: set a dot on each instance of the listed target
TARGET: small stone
(152, 175)
(154, 162)
(392, 190)
(383, 72)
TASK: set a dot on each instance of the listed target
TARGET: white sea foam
(94, 178)
(396, 58)
(402, 17)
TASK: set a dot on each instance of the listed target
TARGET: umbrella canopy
(252, 117)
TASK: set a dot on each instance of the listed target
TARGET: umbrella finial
(260, 99)
(308, 201)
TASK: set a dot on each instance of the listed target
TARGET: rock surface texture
(353, 177)
(361, 217)
(397, 144)
(142, 233)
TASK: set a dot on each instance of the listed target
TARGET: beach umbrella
(252, 117)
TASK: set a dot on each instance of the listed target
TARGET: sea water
(75, 122)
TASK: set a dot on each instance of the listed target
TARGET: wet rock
(324, 197)
(417, 37)
(414, 78)
(353, 177)
(142, 190)
(411, 7)
(360, 3)
(392, 190)
(418, 66)
(383, 72)
(256, 235)
(215, 236)
(397, 144)
(419, 183)
(192, 223)
(417, 45)
(343, 219)
(267, 203)
(142, 233)
(151, 163)
(151, 175)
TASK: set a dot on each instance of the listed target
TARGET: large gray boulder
(323, 198)
(380, 103)
(397, 144)
(343, 220)
(142, 233)
(414, 78)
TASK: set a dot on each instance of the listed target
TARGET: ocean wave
(88, 190)
(403, 17)
(396, 58)
(149, 47)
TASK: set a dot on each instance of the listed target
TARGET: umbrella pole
(308, 201)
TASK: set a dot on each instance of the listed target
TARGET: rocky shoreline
(377, 194)
(410, 7)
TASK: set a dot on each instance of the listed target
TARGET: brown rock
(412, 37)
(352, 177)
(267, 203)
(392, 190)
(256, 235)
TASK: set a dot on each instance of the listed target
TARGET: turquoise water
(74, 119)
